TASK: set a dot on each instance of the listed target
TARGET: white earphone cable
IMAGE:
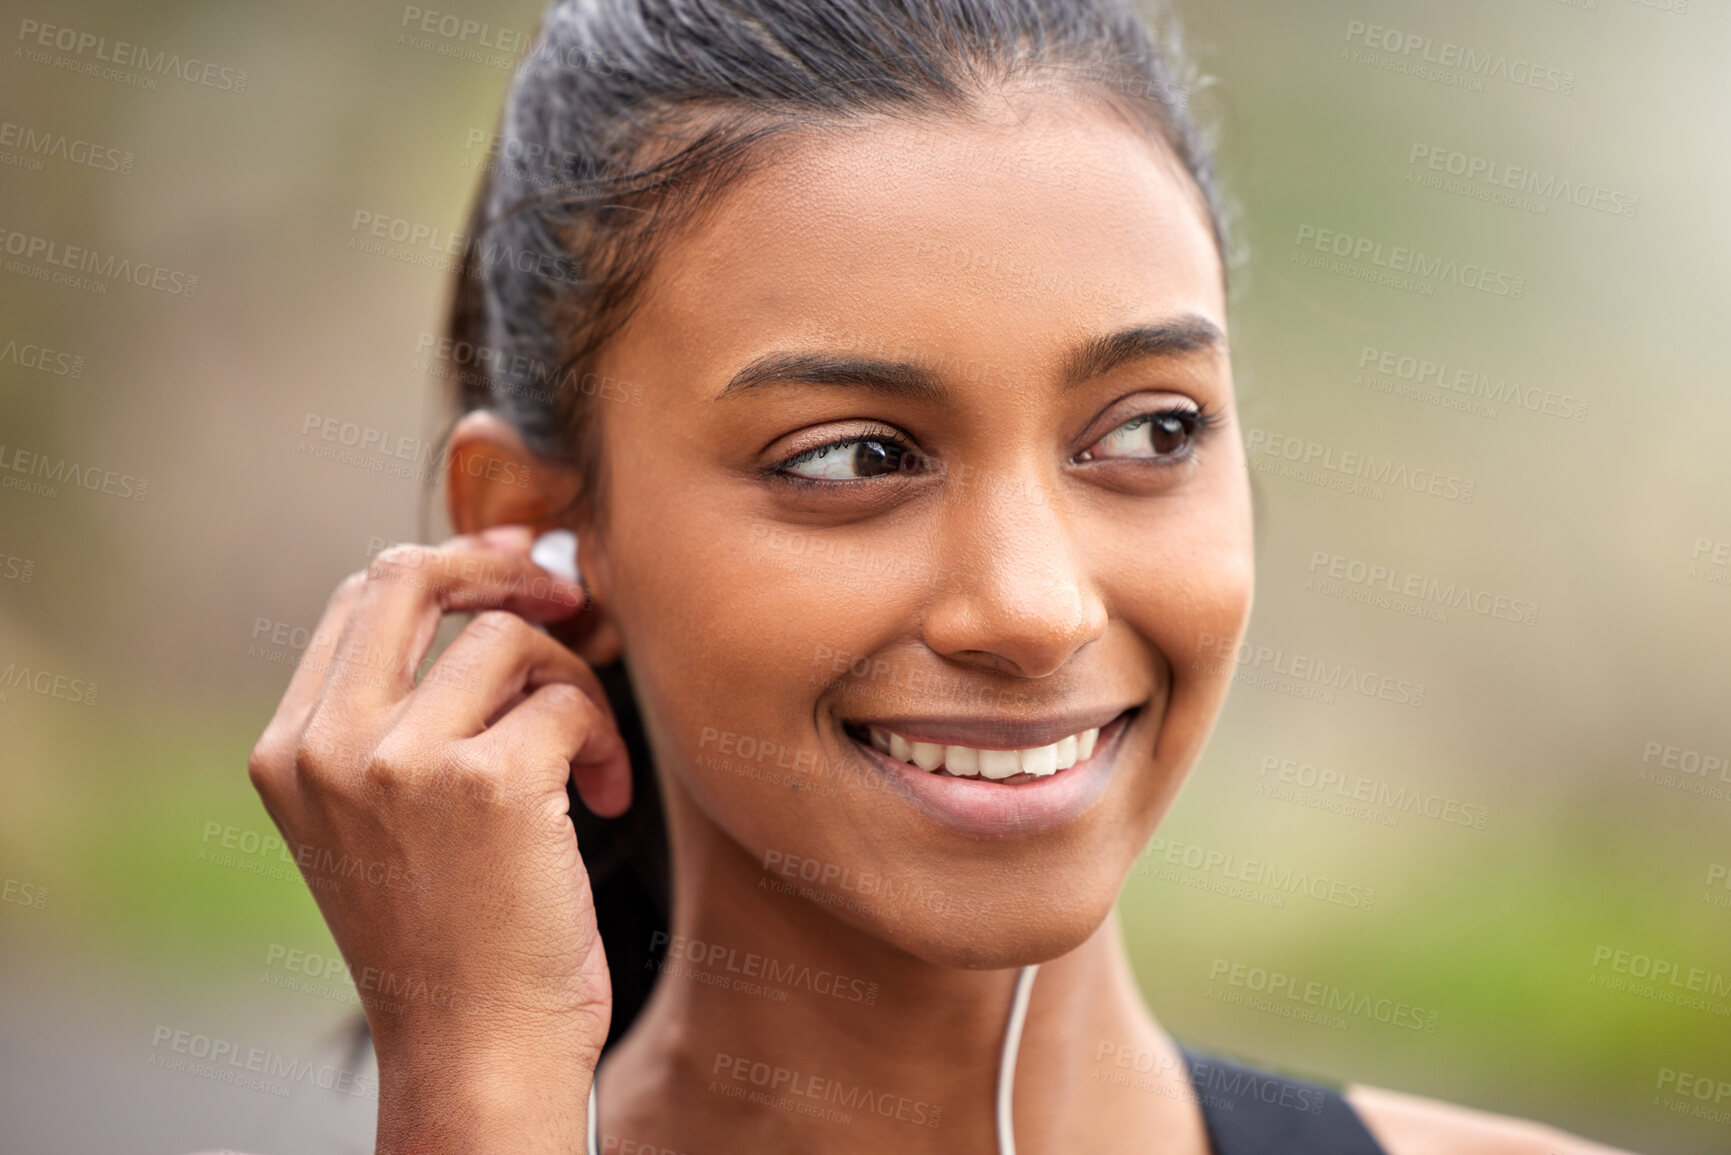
(1006, 1070)
(1007, 1062)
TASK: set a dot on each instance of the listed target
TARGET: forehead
(1019, 231)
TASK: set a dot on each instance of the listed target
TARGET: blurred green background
(125, 912)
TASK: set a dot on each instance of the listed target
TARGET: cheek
(1194, 593)
(732, 631)
(1191, 600)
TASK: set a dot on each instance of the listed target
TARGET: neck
(776, 1018)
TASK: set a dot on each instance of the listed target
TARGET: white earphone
(556, 552)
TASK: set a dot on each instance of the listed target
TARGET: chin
(999, 931)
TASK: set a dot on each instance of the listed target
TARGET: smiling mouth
(1008, 766)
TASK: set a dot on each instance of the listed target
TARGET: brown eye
(854, 460)
(1152, 436)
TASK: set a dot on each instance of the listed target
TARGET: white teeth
(1040, 761)
(962, 761)
(970, 762)
(997, 764)
(927, 755)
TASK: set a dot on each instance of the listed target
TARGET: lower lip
(985, 809)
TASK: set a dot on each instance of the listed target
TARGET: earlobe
(592, 636)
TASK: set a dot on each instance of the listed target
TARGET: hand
(431, 822)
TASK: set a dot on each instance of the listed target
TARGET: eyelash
(1198, 422)
(883, 435)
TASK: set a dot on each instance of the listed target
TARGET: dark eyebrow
(893, 378)
(1187, 334)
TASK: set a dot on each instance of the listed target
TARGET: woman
(875, 355)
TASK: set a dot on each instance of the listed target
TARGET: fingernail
(506, 536)
(556, 552)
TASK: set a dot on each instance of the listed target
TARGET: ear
(492, 478)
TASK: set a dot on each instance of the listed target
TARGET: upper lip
(992, 731)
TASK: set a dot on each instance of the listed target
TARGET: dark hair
(624, 120)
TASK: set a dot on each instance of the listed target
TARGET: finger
(309, 676)
(496, 660)
(562, 730)
(409, 589)
(290, 718)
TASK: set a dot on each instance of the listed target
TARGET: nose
(1015, 592)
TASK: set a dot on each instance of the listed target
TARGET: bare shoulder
(1413, 1125)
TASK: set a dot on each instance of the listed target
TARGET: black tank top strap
(1251, 1112)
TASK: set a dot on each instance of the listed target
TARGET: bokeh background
(1576, 809)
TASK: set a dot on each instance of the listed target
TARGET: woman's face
(937, 438)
